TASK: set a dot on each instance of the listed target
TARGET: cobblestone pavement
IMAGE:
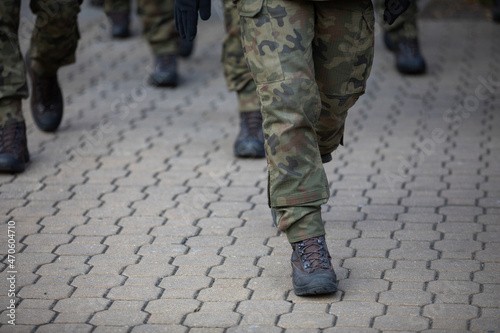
(135, 217)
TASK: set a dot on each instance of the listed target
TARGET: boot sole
(317, 289)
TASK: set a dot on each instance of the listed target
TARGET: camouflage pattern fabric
(404, 26)
(117, 6)
(10, 108)
(158, 26)
(310, 61)
(236, 72)
(55, 36)
(53, 44)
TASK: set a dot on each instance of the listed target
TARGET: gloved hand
(186, 16)
(394, 8)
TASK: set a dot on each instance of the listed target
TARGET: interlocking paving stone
(118, 318)
(306, 320)
(212, 319)
(154, 226)
(401, 323)
(134, 293)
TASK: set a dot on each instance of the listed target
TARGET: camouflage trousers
(310, 61)
(404, 26)
(157, 17)
(236, 72)
(54, 38)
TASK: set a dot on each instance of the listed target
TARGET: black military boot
(120, 25)
(409, 60)
(46, 100)
(250, 140)
(165, 71)
(14, 153)
(312, 269)
(325, 158)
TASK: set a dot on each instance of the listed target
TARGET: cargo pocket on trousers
(261, 48)
(362, 64)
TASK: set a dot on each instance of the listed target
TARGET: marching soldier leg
(402, 38)
(250, 140)
(118, 12)
(157, 18)
(53, 45)
(13, 146)
(277, 38)
(342, 65)
(279, 53)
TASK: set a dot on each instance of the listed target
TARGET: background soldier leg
(53, 45)
(250, 140)
(157, 18)
(402, 38)
(118, 12)
(13, 147)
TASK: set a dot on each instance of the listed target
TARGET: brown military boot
(312, 269)
(165, 71)
(250, 140)
(120, 24)
(46, 100)
(13, 145)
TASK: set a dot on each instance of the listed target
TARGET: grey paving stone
(118, 318)
(134, 293)
(158, 329)
(306, 320)
(113, 259)
(29, 317)
(401, 323)
(351, 308)
(79, 305)
(263, 307)
(77, 328)
(97, 281)
(212, 319)
(45, 291)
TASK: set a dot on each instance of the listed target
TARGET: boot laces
(253, 121)
(165, 61)
(9, 136)
(45, 87)
(312, 253)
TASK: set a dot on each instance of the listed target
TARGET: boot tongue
(253, 121)
(313, 251)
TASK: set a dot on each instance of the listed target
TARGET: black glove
(394, 8)
(186, 16)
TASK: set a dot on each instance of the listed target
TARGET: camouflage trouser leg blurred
(404, 26)
(12, 71)
(53, 45)
(117, 6)
(55, 35)
(238, 76)
(310, 60)
(158, 26)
